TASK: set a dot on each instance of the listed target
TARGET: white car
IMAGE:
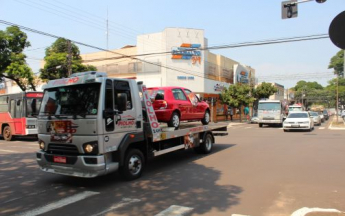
(322, 117)
(316, 118)
(298, 121)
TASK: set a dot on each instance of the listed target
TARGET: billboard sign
(187, 52)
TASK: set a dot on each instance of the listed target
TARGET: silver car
(316, 118)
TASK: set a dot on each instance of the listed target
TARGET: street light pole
(337, 96)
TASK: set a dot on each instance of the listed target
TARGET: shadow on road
(22, 138)
(172, 179)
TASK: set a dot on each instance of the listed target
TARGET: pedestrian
(230, 112)
(246, 112)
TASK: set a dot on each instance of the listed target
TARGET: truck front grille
(63, 149)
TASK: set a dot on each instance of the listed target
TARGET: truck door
(127, 121)
(117, 124)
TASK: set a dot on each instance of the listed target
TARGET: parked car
(175, 104)
(321, 116)
(325, 115)
(298, 121)
(254, 119)
(316, 118)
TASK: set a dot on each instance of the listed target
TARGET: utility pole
(337, 104)
(69, 57)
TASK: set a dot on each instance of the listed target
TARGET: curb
(335, 128)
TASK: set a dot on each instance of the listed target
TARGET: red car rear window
(156, 94)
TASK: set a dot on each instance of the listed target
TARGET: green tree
(337, 63)
(12, 59)
(309, 92)
(331, 89)
(264, 90)
(237, 96)
(56, 61)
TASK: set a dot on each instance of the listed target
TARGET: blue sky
(224, 22)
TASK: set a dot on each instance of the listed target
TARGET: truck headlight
(91, 147)
(88, 148)
(41, 144)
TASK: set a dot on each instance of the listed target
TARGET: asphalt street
(252, 171)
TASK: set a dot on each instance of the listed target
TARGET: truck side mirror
(121, 102)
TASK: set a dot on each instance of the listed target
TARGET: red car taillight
(161, 104)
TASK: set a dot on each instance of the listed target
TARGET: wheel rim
(208, 143)
(134, 165)
(7, 133)
(207, 117)
(176, 121)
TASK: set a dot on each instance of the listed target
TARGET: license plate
(59, 159)
(295, 126)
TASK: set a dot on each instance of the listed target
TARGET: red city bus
(18, 114)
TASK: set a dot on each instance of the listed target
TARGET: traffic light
(320, 1)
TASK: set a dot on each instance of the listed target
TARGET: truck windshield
(269, 106)
(71, 100)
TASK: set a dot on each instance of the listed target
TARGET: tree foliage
(337, 63)
(309, 93)
(331, 90)
(237, 95)
(56, 61)
(12, 59)
(264, 90)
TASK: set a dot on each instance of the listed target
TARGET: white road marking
(8, 151)
(303, 211)
(60, 203)
(239, 215)
(321, 128)
(175, 210)
(124, 202)
(247, 127)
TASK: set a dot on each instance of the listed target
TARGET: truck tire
(260, 125)
(174, 120)
(7, 134)
(206, 118)
(133, 165)
(207, 144)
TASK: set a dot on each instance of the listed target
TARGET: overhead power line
(257, 43)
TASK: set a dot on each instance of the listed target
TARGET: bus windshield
(33, 106)
(295, 108)
(71, 100)
(269, 106)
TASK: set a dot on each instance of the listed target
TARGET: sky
(224, 22)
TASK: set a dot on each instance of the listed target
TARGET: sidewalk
(236, 123)
(340, 125)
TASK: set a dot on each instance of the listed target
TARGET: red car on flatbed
(175, 104)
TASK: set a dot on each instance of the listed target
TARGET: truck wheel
(7, 134)
(133, 165)
(260, 125)
(207, 144)
(206, 118)
(174, 120)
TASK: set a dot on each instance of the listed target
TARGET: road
(252, 171)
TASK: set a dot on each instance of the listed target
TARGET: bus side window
(13, 108)
(18, 109)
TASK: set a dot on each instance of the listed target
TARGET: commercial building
(175, 57)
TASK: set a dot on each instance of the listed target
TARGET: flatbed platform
(190, 128)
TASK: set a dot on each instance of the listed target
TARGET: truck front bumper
(78, 166)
